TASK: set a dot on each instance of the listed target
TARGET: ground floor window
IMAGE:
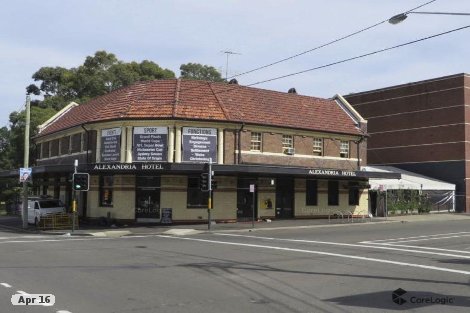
(353, 195)
(196, 197)
(333, 192)
(106, 190)
(311, 192)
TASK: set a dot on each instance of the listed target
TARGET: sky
(63, 33)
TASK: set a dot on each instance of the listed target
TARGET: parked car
(42, 206)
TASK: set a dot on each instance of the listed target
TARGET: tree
(198, 71)
(98, 75)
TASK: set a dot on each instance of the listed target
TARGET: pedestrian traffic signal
(213, 184)
(80, 181)
(204, 182)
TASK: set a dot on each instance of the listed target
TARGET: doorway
(284, 198)
(147, 199)
(245, 199)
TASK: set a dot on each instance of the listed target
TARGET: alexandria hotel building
(146, 145)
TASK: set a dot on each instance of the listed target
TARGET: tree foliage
(98, 75)
(200, 72)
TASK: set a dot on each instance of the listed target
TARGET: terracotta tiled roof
(201, 100)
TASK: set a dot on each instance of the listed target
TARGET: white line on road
(417, 247)
(424, 239)
(56, 240)
(413, 237)
(22, 292)
(5, 285)
(350, 245)
(435, 268)
(62, 311)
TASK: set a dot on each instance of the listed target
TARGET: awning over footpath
(408, 180)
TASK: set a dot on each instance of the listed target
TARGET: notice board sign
(111, 145)
(167, 216)
(199, 144)
(150, 144)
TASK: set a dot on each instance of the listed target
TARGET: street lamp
(402, 16)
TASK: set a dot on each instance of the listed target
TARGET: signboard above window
(150, 144)
(199, 144)
(111, 145)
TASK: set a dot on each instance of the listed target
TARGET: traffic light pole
(74, 201)
(209, 204)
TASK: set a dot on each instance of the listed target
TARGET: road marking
(5, 285)
(419, 247)
(63, 311)
(413, 237)
(56, 240)
(424, 239)
(350, 245)
(346, 256)
(23, 237)
(22, 292)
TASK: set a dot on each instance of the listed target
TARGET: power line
(324, 45)
(359, 56)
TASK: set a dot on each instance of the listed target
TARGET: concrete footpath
(14, 224)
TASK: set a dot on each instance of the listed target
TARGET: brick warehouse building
(422, 127)
(146, 145)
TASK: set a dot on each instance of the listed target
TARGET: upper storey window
(344, 149)
(288, 144)
(255, 144)
(318, 146)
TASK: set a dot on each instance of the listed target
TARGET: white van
(38, 207)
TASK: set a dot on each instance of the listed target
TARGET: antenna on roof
(228, 52)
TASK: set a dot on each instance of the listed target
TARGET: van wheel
(36, 221)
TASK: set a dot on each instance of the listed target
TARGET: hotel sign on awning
(325, 172)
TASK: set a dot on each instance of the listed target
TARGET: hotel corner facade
(146, 145)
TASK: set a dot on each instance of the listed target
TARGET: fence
(57, 221)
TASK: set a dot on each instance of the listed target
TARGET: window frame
(256, 142)
(353, 194)
(193, 190)
(105, 186)
(333, 193)
(318, 149)
(344, 148)
(311, 192)
(287, 141)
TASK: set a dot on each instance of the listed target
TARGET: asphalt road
(348, 268)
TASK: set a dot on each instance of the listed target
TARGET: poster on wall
(199, 144)
(150, 144)
(111, 145)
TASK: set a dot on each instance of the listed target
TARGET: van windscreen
(47, 204)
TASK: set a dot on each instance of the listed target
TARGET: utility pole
(228, 52)
(26, 162)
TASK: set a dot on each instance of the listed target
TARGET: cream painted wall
(123, 198)
(322, 209)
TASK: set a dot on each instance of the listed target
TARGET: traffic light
(80, 181)
(204, 182)
(213, 184)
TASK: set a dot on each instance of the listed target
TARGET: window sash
(255, 144)
(318, 146)
(287, 141)
(344, 149)
(106, 191)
